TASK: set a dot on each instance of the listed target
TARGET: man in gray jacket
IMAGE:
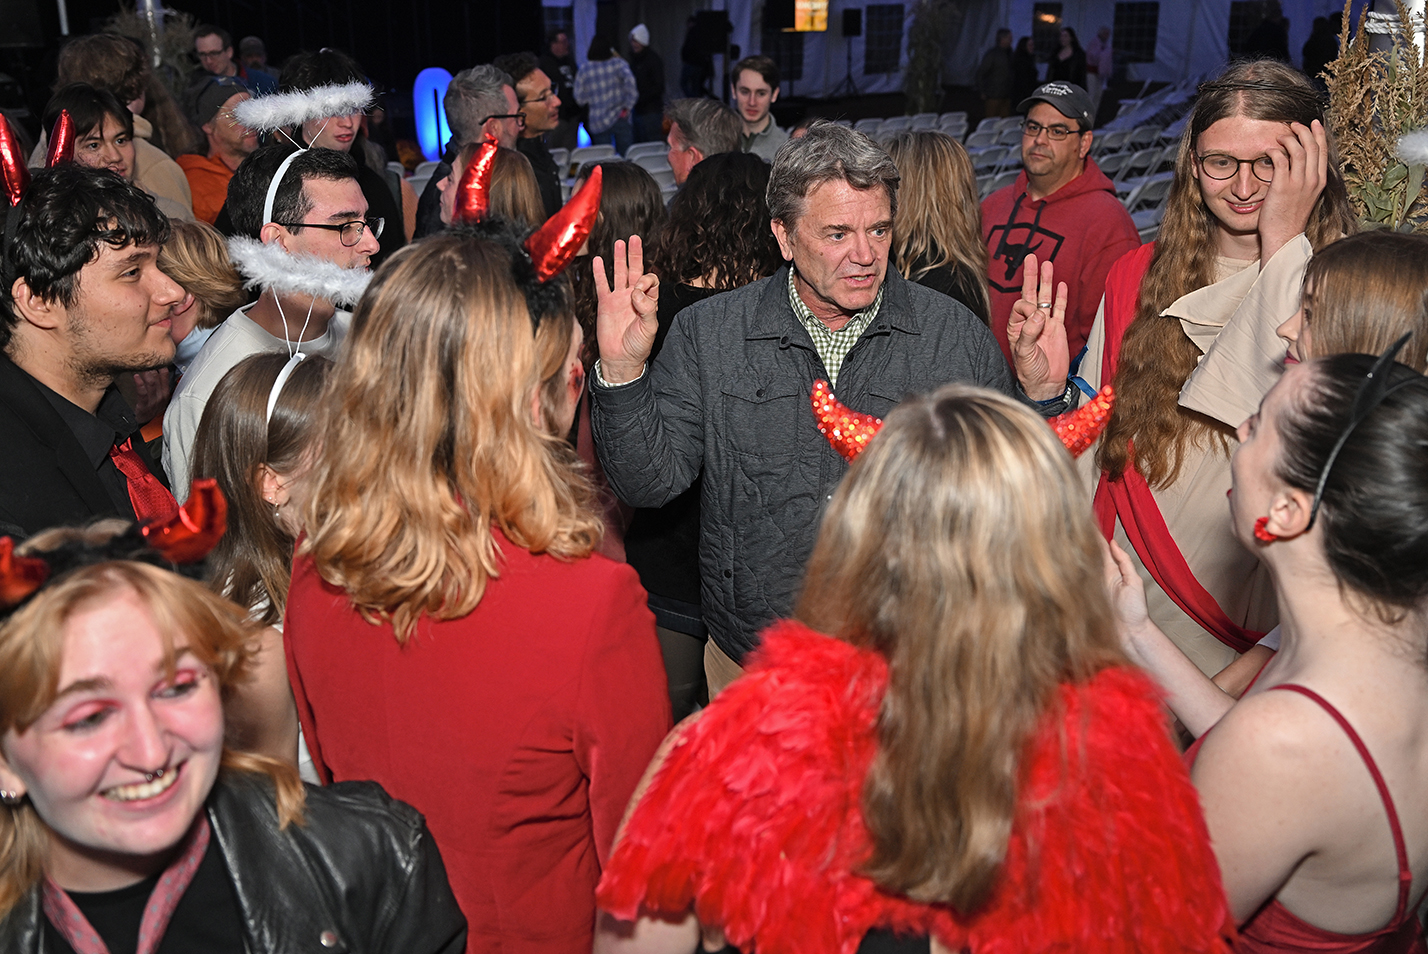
(730, 392)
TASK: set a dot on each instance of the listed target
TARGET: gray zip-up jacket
(730, 394)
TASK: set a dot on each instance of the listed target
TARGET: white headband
(282, 379)
(273, 186)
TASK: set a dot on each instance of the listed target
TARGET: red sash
(1130, 497)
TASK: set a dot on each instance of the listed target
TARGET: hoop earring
(1261, 534)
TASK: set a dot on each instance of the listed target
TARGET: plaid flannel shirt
(606, 86)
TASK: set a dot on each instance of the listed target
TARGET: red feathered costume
(755, 818)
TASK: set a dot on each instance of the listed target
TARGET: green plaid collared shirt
(832, 346)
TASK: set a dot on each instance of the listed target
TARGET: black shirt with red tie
(55, 464)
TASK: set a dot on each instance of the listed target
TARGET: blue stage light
(431, 125)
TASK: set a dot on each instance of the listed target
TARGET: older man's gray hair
(472, 96)
(827, 153)
(706, 124)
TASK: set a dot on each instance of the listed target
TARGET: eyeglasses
(1031, 129)
(1219, 166)
(545, 95)
(210, 54)
(350, 233)
(520, 118)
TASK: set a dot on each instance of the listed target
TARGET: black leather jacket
(360, 875)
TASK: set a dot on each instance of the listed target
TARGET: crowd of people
(489, 570)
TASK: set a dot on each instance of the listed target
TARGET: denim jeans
(620, 135)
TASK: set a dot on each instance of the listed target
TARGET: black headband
(1371, 393)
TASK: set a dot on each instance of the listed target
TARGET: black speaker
(778, 15)
(20, 24)
(853, 22)
(711, 32)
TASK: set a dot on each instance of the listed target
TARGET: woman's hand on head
(1301, 170)
(1036, 332)
(626, 319)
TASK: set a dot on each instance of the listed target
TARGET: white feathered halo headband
(271, 267)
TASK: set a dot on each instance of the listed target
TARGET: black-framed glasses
(520, 118)
(1031, 129)
(1217, 165)
(350, 233)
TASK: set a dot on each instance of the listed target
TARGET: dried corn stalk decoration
(1377, 98)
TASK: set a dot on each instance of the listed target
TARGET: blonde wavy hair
(1156, 354)
(429, 443)
(187, 615)
(196, 257)
(938, 223)
(960, 547)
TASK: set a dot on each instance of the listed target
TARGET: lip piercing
(150, 776)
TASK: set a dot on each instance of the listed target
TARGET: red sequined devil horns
(61, 141)
(554, 244)
(14, 174)
(197, 527)
(187, 537)
(849, 431)
(473, 194)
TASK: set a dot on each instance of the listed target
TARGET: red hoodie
(1081, 227)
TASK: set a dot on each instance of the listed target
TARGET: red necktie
(153, 503)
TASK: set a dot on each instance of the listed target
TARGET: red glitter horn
(555, 243)
(19, 576)
(473, 195)
(61, 141)
(1079, 429)
(195, 529)
(14, 174)
(849, 431)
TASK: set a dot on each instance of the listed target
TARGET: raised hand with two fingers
(626, 316)
(1036, 332)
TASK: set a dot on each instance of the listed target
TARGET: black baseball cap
(1070, 100)
(211, 96)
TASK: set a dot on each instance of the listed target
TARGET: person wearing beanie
(648, 68)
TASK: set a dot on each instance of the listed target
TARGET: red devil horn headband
(473, 195)
(195, 529)
(187, 537)
(61, 141)
(849, 431)
(14, 174)
(554, 244)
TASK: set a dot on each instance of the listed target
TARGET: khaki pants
(719, 669)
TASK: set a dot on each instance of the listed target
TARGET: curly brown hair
(1156, 355)
(719, 230)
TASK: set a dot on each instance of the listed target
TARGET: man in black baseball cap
(1062, 209)
(229, 143)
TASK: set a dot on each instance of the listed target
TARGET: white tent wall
(1192, 36)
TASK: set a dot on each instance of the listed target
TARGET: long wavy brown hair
(1156, 355)
(215, 631)
(960, 547)
(719, 231)
(429, 443)
(938, 222)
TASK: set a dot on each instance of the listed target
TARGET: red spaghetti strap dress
(1274, 928)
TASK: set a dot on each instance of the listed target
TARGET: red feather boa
(754, 818)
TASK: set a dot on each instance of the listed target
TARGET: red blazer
(519, 731)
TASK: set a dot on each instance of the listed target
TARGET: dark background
(393, 40)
